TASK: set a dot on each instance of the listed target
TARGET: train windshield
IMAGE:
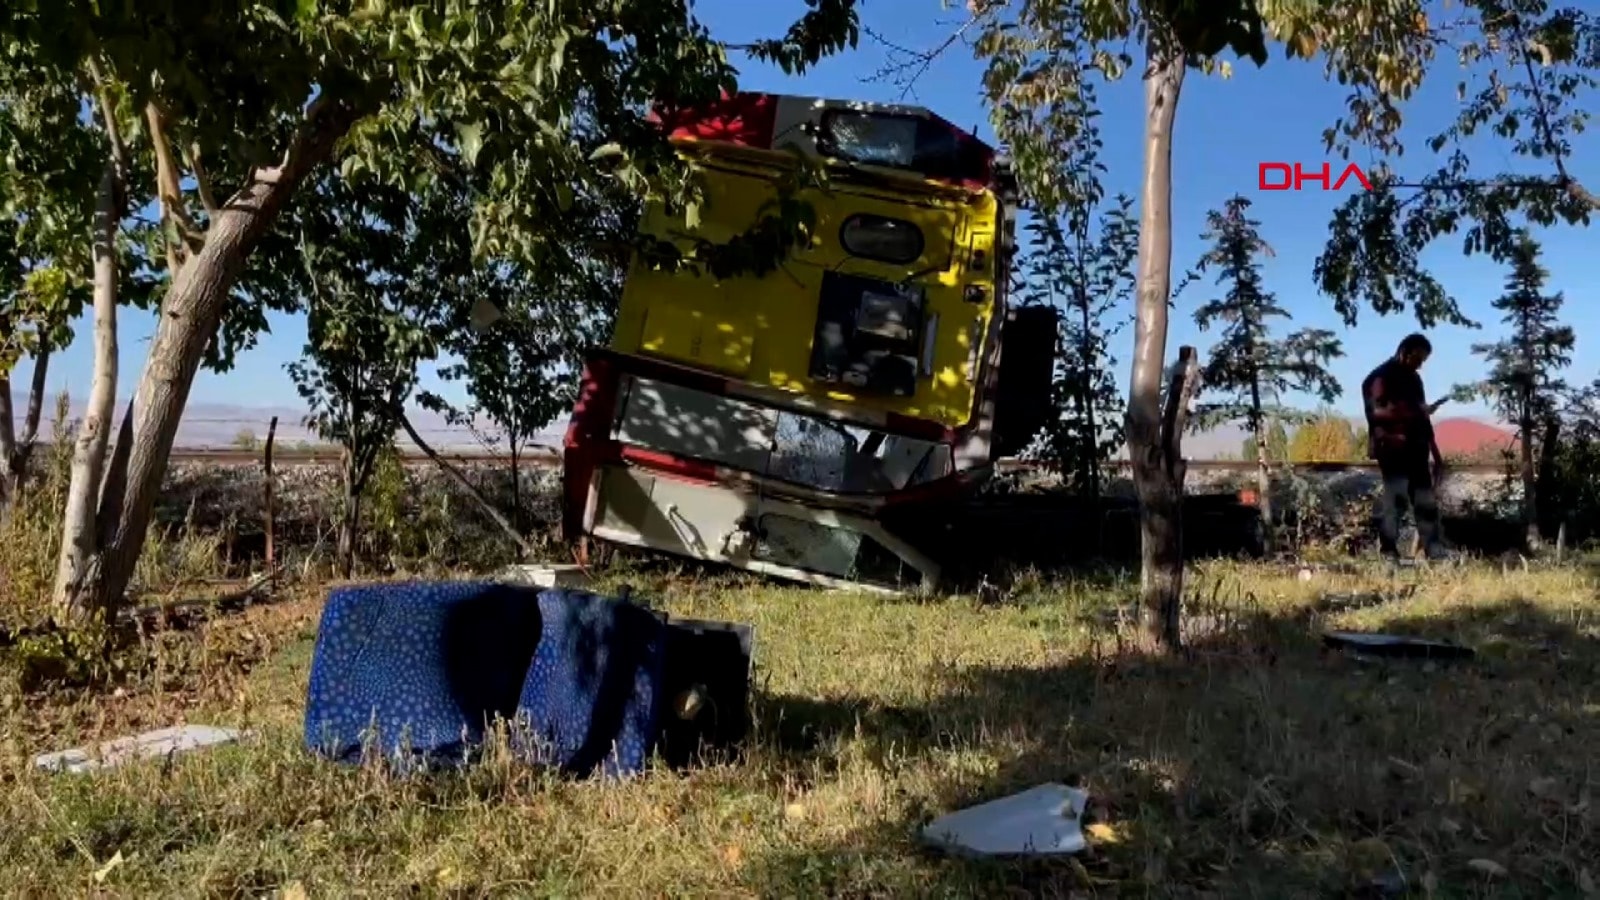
(873, 139)
(912, 143)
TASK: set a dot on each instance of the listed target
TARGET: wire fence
(205, 437)
(297, 445)
(549, 456)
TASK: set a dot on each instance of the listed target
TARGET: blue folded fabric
(592, 698)
(418, 669)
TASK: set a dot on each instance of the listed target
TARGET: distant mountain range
(215, 425)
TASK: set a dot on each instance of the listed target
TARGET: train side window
(881, 238)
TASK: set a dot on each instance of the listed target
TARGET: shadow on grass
(1261, 765)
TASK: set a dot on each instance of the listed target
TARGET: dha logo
(1279, 176)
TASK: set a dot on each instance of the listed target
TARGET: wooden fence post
(267, 524)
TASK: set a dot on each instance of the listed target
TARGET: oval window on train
(881, 238)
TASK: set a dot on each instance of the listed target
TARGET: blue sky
(1224, 129)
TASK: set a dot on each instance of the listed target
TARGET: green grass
(1263, 766)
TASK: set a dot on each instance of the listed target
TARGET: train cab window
(872, 139)
(882, 239)
(899, 141)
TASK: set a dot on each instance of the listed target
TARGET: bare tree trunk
(13, 478)
(16, 450)
(30, 422)
(1263, 470)
(460, 478)
(1549, 446)
(350, 517)
(1161, 516)
(1157, 474)
(516, 483)
(1086, 389)
(1530, 488)
(267, 499)
(8, 446)
(190, 315)
(80, 531)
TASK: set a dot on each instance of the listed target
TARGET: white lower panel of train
(770, 536)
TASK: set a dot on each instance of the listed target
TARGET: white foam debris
(1043, 820)
(163, 742)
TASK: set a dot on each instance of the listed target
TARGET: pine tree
(1523, 382)
(1248, 370)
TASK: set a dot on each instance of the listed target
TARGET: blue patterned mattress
(592, 698)
(419, 671)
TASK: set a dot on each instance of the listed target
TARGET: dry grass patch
(1263, 766)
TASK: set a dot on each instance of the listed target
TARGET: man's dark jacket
(1397, 417)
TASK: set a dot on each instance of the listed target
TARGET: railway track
(551, 459)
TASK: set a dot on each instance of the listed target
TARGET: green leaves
(1044, 64)
(1202, 29)
(386, 274)
(830, 26)
(521, 371)
(1045, 59)
(52, 161)
(527, 113)
(1084, 267)
(1373, 255)
(1528, 69)
(469, 136)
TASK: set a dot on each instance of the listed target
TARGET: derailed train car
(784, 424)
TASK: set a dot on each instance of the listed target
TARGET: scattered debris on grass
(545, 576)
(159, 744)
(1042, 821)
(1394, 645)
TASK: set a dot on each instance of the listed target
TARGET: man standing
(1400, 438)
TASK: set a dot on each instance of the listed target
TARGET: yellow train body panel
(760, 330)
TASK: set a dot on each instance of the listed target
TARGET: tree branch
(30, 422)
(1542, 122)
(326, 120)
(202, 180)
(8, 437)
(108, 116)
(169, 192)
(920, 61)
(1180, 396)
(1563, 183)
(1467, 185)
(466, 483)
(315, 283)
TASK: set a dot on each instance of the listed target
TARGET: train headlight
(974, 293)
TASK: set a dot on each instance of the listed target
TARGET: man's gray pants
(1408, 484)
